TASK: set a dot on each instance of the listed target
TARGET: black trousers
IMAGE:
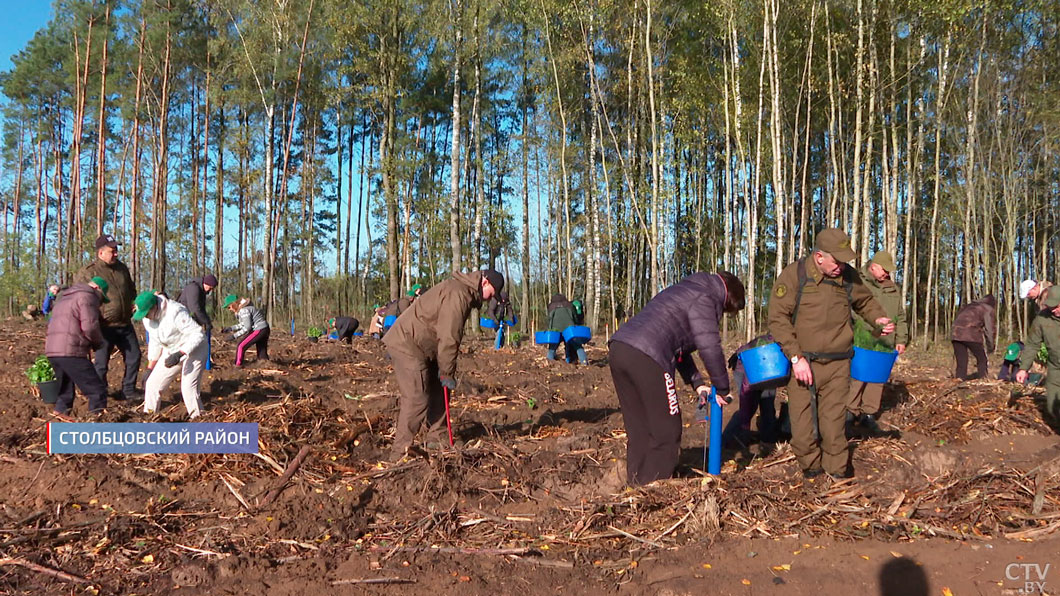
(960, 351)
(345, 328)
(647, 396)
(126, 341)
(72, 370)
(1009, 368)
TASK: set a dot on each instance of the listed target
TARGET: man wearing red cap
(117, 314)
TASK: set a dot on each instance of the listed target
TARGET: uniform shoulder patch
(780, 290)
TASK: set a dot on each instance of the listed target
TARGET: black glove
(448, 382)
(173, 359)
(226, 330)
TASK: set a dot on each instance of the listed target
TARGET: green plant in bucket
(314, 332)
(41, 371)
(865, 338)
(1043, 354)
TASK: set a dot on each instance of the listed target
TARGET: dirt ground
(963, 496)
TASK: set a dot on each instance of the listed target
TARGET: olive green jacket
(889, 295)
(121, 293)
(1045, 329)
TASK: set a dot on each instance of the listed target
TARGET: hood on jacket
(559, 301)
(472, 279)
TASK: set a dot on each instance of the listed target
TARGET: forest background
(322, 156)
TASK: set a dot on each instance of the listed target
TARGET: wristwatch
(795, 359)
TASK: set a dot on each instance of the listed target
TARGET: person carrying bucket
(865, 398)
(809, 316)
(560, 317)
(375, 327)
(423, 346)
(503, 314)
(394, 308)
(752, 398)
(343, 328)
(649, 348)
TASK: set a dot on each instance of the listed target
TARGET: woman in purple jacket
(648, 348)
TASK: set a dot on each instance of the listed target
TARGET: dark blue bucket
(765, 363)
(577, 333)
(487, 323)
(544, 338)
(389, 321)
(358, 333)
(870, 366)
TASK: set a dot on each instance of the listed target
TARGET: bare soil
(532, 501)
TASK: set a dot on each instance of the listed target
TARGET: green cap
(1052, 298)
(884, 259)
(836, 243)
(143, 304)
(229, 299)
(103, 287)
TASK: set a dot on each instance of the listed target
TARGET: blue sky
(21, 20)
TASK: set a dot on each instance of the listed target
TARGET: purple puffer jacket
(74, 326)
(679, 320)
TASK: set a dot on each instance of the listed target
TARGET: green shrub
(41, 371)
(314, 332)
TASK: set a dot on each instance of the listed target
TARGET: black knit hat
(495, 278)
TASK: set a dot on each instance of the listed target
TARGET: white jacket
(175, 331)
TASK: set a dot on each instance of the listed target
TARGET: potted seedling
(314, 333)
(42, 375)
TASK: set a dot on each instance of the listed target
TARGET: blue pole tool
(209, 365)
(292, 326)
(713, 418)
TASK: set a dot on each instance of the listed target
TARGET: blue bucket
(358, 333)
(333, 335)
(870, 366)
(487, 323)
(577, 333)
(389, 321)
(765, 363)
(544, 338)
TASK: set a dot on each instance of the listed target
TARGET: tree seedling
(41, 371)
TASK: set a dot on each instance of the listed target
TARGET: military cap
(836, 243)
(1052, 298)
(884, 259)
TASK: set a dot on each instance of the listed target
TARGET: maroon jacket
(680, 320)
(976, 322)
(74, 327)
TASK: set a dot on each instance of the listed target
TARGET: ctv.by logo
(1032, 574)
